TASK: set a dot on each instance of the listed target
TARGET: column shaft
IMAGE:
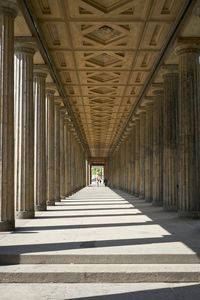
(170, 174)
(137, 158)
(148, 153)
(39, 89)
(189, 132)
(24, 132)
(57, 152)
(158, 149)
(62, 156)
(142, 155)
(50, 147)
(8, 10)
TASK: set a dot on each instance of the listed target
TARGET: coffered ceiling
(104, 52)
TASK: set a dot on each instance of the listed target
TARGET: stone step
(10, 259)
(84, 273)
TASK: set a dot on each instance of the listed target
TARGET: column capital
(25, 45)
(9, 7)
(62, 110)
(50, 91)
(40, 71)
(169, 69)
(58, 101)
(188, 45)
(148, 100)
(158, 92)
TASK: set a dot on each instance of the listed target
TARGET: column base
(189, 214)
(149, 200)
(170, 208)
(40, 207)
(58, 200)
(25, 214)
(7, 225)
(157, 203)
(51, 202)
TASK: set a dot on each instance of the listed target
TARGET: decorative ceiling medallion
(103, 77)
(105, 35)
(106, 6)
(103, 60)
(102, 90)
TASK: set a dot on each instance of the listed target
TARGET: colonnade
(162, 151)
(41, 157)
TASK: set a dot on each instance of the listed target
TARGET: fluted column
(170, 172)
(137, 157)
(142, 154)
(148, 152)
(50, 152)
(62, 154)
(66, 155)
(189, 130)
(24, 131)
(39, 92)
(58, 103)
(158, 148)
(8, 11)
(132, 160)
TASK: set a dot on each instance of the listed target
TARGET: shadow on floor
(184, 230)
(79, 226)
(87, 216)
(191, 292)
(48, 247)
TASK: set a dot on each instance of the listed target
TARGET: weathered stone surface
(8, 11)
(40, 192)
(50, 153)
(24, 131)
(189, 131)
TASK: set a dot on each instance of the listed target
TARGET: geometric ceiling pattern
(104, 51)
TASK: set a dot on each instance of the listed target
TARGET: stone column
(170, 174)
(62, 154)
(58, 103)
(66, 155)
(8, 11)
(142, 154)
(149, 153)
(137, 157)
(50, 152)
(158, 148)
(189, 130)
(24, 131)
(132, 160)
(39, 92)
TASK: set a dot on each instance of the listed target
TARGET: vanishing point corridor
(100, 149)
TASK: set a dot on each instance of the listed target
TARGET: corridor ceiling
(101, 53)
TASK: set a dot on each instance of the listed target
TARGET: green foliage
(97, 171)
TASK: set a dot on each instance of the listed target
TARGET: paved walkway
(107, 228)
(100, 221)
(97, 220)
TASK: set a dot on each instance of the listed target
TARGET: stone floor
(98, 225)
(97, 221)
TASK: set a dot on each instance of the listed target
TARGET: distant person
(105, 181)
